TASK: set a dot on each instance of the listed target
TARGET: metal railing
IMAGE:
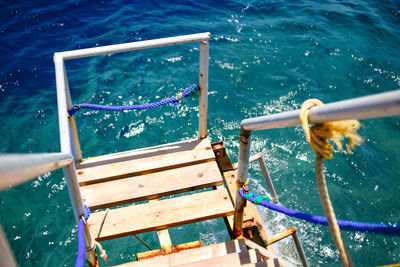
(259, 157)
(67, 124)
(373, 106)
(19, 168)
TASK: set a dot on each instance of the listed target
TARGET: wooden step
(192, 255)
(143, 161)
(151, 186)
(245, 258)
(160, 214)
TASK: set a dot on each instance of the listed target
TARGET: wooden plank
(143, 161)
(236, 259)
(250, 211)
(160, 214)
(151, 186)
(188, 256)
(165, 241)
(164, 238)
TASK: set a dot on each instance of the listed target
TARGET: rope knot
(179, 97)
(318, 134)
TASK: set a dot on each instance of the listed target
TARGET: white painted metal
(69, 171)
(244, 153)
(6, 256)
(74, 191)
(259, 157)
(71, 119)
(268, 180)
(203, 103)
(62, 104)
(110, 49)
(251, 159)
(19, 168)
(373, 106)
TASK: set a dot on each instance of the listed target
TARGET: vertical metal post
(300, 249)
(69, 171)
(74, 132)
(267, 177)
(6, 256)
(204, 54)
(243, 167)
(62, 105)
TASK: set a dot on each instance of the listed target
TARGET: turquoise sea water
(265, 57)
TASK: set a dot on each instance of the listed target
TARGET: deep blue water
(265, 57)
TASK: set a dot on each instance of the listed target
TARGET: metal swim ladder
(19, 168)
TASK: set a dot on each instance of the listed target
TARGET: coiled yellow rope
(318, 135)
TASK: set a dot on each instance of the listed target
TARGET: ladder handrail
(19, 168)
(372, 106)
(67, 126)
(110, 49)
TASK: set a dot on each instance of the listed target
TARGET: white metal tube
(6, 256)
(69, 171)
(373, 106)
(243, 159)
(74, 191)
(203, 102)
(62, 105)
(74, 132)
(19, 168)
(267, 177)
(135, 46)
(251, 159)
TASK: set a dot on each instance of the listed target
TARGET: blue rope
(191, 90)
(80, 260)
(347, 225)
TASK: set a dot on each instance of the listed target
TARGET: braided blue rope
(190, 90)
(347, 225)
(80, 260)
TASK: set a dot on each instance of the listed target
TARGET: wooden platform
(151, 173)
(166, 171)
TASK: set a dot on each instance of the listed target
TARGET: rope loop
(318, 134)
